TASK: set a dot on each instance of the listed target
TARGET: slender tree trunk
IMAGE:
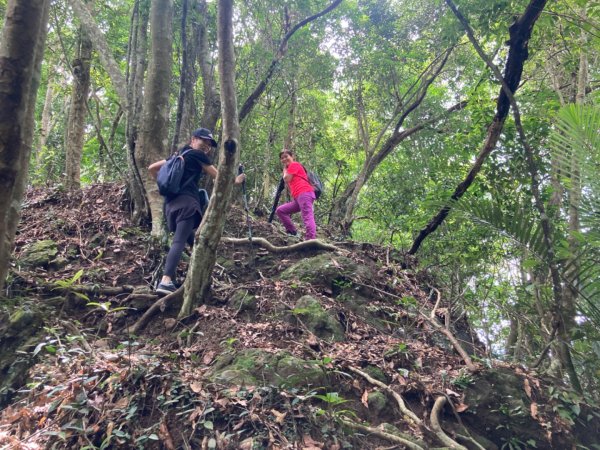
(342, 213)
(21, 53)
(212, 102)
(45, 125)
(106, 57)
(137, 63)
(197, 282)
(153, 140)
(187, 80)
(78, 111)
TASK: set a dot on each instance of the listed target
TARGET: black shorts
(182, 207)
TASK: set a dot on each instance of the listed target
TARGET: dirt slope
(295, 349)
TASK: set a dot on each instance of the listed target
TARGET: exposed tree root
(175, 297)
(313, 244)
(401, 405)
(437, 428)
(382, 434)
(412, 417)
(446, 332)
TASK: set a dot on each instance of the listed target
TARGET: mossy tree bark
(75, 133)
(153, 142)
(21, 52)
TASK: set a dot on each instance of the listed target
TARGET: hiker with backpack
(303, 197)
(177, 178)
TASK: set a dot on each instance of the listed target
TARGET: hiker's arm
(212, 171)
(287, 177)
(155, 167)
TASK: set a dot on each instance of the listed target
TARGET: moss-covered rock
(18, 334)
(258, 367)
(319, 321)
(500, 409)
(243, 301)
(39, 254)
(377, 373)
(332, 272)
(377, 402)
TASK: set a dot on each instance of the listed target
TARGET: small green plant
(517, 444)
(407, 302)
(331, 398)
(398, 349)
(70, 285)
(342, 283)
(229, 342)
(463, 380)
(107, 307)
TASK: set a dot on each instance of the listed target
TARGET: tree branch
(520, 32)
(281, 51)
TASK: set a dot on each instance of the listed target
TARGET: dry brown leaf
(534, 410)
(165, 436)
(310, 444)
(527, 388)
(365, 398)
(223, 402)
(461, 407)
(247, 444)
(279, 416)
(170, 323)
(208, 357)
(122, 403)
(451, 392)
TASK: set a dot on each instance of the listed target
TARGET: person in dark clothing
(183, 210)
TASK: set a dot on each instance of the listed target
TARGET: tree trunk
(153, 140)
(203, 259)
(76, 122)
(212, 103)
(137, 63)
(187, 80)
(21, 53)
(342, 213)
(105, 54)
(45, 125)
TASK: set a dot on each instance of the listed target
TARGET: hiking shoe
(166, 288)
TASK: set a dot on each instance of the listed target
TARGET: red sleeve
(295, 168)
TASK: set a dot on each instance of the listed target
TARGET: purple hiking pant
(304, 205)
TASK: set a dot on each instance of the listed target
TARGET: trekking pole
(280, 189)
(241, 171)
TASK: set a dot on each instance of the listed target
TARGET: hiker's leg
(191, 237)
(306, 201)
(182, 233)
(284, 212)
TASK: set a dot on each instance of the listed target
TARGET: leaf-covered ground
(92, 384)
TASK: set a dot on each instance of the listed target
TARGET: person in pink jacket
(303, 197)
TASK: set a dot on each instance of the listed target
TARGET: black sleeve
(194, 161)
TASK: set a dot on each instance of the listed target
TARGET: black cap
(203, 133)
